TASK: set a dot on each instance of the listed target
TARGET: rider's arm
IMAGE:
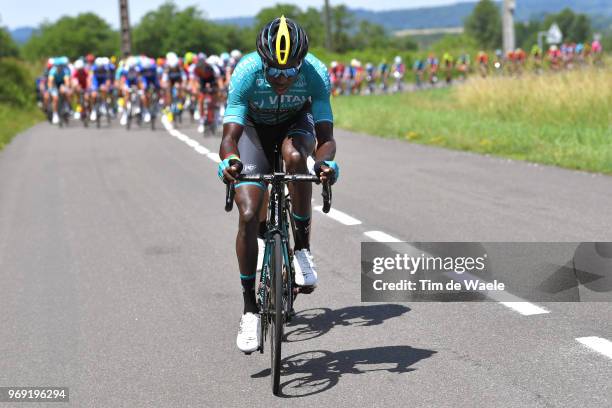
(51, 77)
(322, 115)
(218, 77)
(229, 149)
(67, 78)
(326, 144)
(240, 90)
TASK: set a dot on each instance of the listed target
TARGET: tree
(73, 37)
(370, 35)
(527, 33)
(580, 30)
(234, 37)
(8, 48)
(341, 22)
(170, 29)
(313, 23)
(484, 24)
(268, 14)
(404, 43)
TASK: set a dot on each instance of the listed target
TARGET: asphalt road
(119, 279)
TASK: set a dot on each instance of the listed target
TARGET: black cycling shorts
(256, 145)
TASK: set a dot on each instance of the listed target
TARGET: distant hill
(534, 8)
(425, 17)
(454, 15)
(436, 17)
(237, 21)
(22, 34)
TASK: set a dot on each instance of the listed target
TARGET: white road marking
(202, 150)
(380, 236)
(194, 144)
(214, 157)
(597, 344)
(524, 308)
(339, 216)
(505, 298)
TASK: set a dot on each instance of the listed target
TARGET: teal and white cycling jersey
(252, 98)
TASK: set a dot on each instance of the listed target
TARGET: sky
(20, 13)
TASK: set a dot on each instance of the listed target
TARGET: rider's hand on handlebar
(229, 169)
(327, 170)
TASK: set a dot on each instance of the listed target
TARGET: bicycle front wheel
(276, 309)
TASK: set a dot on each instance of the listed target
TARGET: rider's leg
(167, 87)
(248, 200)
(296, 149)
(55, 96)
(145, 96)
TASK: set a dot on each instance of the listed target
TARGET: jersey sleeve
(320, 88)
(239, 92)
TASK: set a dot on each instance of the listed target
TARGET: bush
(16, 83)
(8, 48)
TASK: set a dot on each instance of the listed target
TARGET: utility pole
(328, 37)
(126, 40)
(508, 25)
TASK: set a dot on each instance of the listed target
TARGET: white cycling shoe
(305, 270)
(55, 119)
(248, 334)
(93, 116)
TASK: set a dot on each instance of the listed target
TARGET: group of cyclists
(358, 78)
(355, 78)
(92, 86)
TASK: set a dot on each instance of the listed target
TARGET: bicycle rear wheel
(276, 313)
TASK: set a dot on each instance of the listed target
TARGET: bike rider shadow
(317, 371)
(312, 323)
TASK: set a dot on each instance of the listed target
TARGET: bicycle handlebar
(282, 178)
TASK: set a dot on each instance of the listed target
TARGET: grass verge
(563, 120)
(14, 120)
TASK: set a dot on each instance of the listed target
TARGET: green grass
(14, 120)
(442, 118)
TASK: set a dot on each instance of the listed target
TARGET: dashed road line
(380, 236)
(339, 216)
(597, 344)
